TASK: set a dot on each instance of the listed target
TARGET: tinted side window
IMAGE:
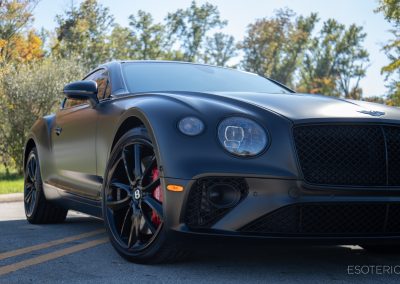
(101, 78)
(103, 85)
(73, 102)
(108, 90)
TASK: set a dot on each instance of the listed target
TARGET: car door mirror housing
(82, 90)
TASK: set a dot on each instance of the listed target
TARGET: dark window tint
(101, 78)
(103, 86)
(157, 76)
(73, 102)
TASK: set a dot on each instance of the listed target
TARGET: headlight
(242, 136)
(191, 126)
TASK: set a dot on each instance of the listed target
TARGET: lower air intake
(330, 219)
(203, 209)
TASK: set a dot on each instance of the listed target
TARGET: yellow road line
(50, 256)
(49, 244)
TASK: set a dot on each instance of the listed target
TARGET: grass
(10, 183)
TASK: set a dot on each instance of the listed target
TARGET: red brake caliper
(158, 195)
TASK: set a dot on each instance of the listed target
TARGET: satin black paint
(74, 146)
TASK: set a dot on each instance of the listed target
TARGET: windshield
(158, 76)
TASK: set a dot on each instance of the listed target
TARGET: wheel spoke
(122, 186)
(153, 204)
(132, 238)
(148, 223)
(152, 186)
(125, 220)
(128, 165)
(137, 226)
(138, 161)
(30, 170)
(150, 166)
(34, 170)
(119, 204)
(33, 200)
(29, 194)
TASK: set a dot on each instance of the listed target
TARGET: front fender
(186, 157)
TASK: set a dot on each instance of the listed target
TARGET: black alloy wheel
(38, 209)
(30, 188)
(133, 201)
(130, 203)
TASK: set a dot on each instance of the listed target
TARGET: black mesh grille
(354, 155)
(200, 213)
(393, 148)
(329, 219)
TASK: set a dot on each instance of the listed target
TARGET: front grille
(329, 219)
(353, 155)
(200, 212)
(393, 148)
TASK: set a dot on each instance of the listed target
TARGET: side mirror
(82, 90)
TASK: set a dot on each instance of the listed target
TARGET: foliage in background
(149, 38)
(15, 45)
(31, 91)
(83, 33)
(190, 26)
(335, 62)
(274, 47)
(391, 11)
(34, 65)
(220, 48)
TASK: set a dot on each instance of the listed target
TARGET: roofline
(171, 61)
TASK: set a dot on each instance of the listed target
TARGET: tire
(135, 235)
(37, 209)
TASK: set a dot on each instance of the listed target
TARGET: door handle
(58, 130)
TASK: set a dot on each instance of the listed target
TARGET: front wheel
(133, 202)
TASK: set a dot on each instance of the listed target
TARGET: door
(74, 143)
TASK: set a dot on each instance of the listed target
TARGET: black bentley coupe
(165, 151)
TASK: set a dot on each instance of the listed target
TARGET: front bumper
(278, 209)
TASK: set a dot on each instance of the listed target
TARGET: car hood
(296, 106)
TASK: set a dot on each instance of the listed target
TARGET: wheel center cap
(137, 194)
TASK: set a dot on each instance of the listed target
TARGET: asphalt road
(78, 252)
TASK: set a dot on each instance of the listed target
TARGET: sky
(239, 13)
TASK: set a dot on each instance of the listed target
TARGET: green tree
(84, 32)
(274, 47)
(219, 49)
(335, 62)
(17, 44)
(31, 91)
(150, 38)
(121, 43)
(190, 27)
(391, 11)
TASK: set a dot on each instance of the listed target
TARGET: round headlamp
(242, 136)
